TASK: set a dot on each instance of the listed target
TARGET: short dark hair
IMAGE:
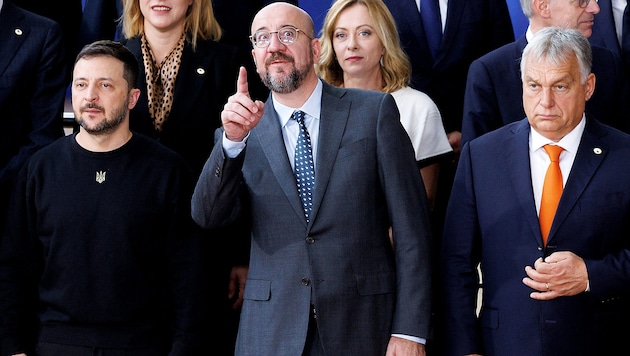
(116, 50)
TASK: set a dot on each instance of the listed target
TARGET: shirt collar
(312, 107)
(569, 142)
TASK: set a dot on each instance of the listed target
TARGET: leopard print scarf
(160, 80)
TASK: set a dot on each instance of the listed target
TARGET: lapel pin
(201, 71)
(597, 151)
(18, 31)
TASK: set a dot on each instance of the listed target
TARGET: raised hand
(240, 114)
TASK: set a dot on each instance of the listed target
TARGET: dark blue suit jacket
(494, 91)
(604, 33)
(492, 220)
(473, 28)
(32, 89)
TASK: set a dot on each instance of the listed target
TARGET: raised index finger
(241, 84)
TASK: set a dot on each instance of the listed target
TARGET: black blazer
(473, 28)
(32, 89)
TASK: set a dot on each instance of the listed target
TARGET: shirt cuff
(412, 338)
(231, 148)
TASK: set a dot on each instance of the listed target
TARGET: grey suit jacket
(342, 262)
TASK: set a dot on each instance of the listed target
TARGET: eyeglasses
(584, 3)
(287, 36)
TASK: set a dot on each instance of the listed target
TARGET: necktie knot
(298, 115)
(554, 152)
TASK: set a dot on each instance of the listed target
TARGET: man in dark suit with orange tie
(568, 293)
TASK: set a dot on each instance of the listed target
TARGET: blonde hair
(395, 65)
(199, 23)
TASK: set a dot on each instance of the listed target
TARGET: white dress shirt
(539, 159)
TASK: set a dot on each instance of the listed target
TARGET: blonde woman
(360, 49)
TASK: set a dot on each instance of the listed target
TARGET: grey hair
(557, 46)
(526, 6)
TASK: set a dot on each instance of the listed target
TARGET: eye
(365, 33)
(340, 35)
(262, 37)
(561, 87)
(287, 33)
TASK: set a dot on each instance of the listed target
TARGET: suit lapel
(267, 133)
(413, 19)
(454, 13)
(332, 124)
(12, 34)
(517, 160)
(604, 32)
(591, 153)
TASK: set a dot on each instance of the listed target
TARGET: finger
(533, 284)
(557, 257)
(538, 262)
(241, 84)
(242, 111)
(532, 273)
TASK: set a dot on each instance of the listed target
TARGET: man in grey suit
(326, 278)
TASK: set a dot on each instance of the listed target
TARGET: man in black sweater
(98, 257)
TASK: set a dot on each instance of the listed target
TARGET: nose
(593, 7)
(352, 41)
(91, 94)
(274, 43)
(546, 99)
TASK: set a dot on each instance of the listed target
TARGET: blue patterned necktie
(432, 23)
(303, 168)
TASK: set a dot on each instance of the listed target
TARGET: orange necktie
(551, 192)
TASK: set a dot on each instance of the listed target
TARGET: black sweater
(102, 240)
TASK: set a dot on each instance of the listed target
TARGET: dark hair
(107, 48)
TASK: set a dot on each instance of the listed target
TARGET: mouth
(90, 109)
(354, 59)
(160, 8)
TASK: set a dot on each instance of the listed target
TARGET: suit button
(310, 240)
(306, 281)
(217, 171)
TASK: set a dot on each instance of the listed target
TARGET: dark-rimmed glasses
(287, 36)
